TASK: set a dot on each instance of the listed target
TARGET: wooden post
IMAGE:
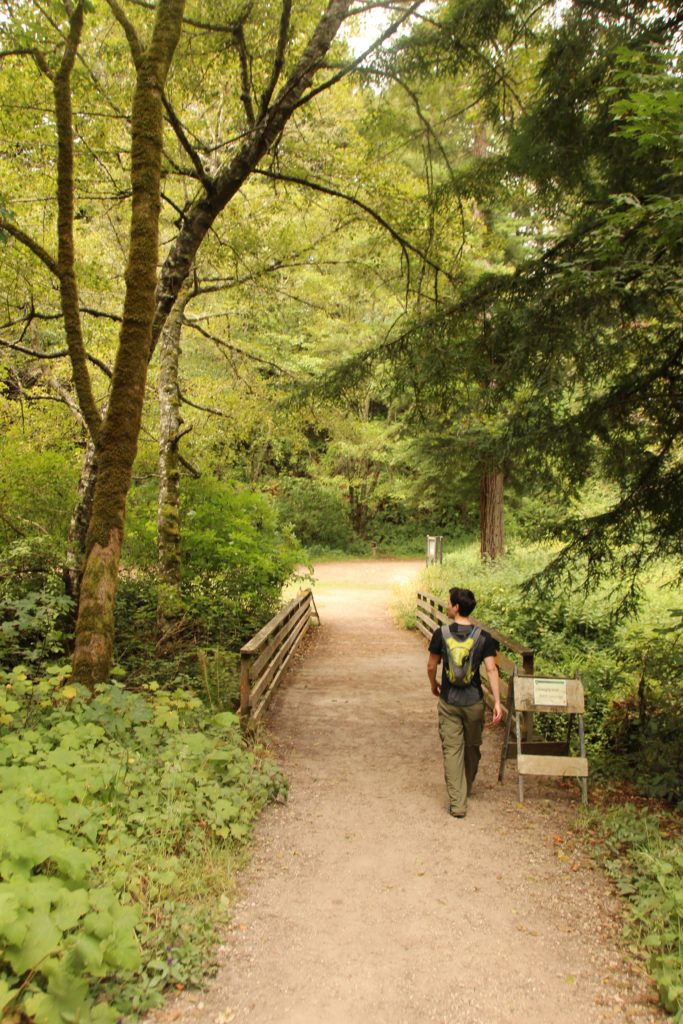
(528, 716)
(245, 689)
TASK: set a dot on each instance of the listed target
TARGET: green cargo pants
(460, 730)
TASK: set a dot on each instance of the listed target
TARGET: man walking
(463, 647)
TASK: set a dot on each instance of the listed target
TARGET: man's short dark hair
(465, 600)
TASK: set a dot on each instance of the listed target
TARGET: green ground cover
(124, 818)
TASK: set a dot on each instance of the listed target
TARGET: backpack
(459, 655)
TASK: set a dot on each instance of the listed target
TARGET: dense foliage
(641, 853)
(113, 810)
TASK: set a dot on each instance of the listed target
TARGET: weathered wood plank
(426, 621)
(561, 767)
(505, 664)
(436, 615)
(558, 749)
(260, 684)
(278, 638)
(272, 689)
(259, 639)
(424, 629)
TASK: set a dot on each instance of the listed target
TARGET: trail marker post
(434, 550)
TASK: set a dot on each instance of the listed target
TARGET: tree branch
(29, 51)
(234, 172)
(233, 348)
(279, 57)
(128, 27)
(68, 285)
(405, 245)
(61, 354)
(11, 228)
(186, 144)
(347, 69)
(192, 470)
(205, 26)
(245, 76)
(201, 408)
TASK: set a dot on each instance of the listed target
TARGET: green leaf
(7, 994)
(42, 937)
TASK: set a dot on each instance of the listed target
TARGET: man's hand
(436, 689)
(497, 713)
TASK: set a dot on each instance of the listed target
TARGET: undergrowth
(123, 817)
(643, 855)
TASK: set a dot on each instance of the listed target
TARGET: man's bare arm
(432, 666)
(494, 683)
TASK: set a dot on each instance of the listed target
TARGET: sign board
(550, 692)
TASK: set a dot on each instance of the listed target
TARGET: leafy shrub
(32, 626)
(235, 561)
(37, 490)
(106, 806)
(316, 512)
(646, 865)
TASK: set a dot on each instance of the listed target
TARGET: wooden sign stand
(547, 695)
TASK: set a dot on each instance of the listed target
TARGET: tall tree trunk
(491, 513)
(78, 527)
(118, 436)
(169, 597)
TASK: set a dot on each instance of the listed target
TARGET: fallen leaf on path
(225, 1017)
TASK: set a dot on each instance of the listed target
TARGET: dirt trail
(365, 902)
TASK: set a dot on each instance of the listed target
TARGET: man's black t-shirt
(462, 696)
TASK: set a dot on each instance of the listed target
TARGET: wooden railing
(431, 612)
(264, 657)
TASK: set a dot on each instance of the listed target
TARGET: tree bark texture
(169, 598)
(118, 436)
(491, 514)
(78, 526)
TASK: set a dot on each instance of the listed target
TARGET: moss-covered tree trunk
(169, 599)
(118, 436)
(78, 526)
(491, 513)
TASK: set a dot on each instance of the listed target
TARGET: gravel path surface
(365, 902)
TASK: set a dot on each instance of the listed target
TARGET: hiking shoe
(456, 814)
